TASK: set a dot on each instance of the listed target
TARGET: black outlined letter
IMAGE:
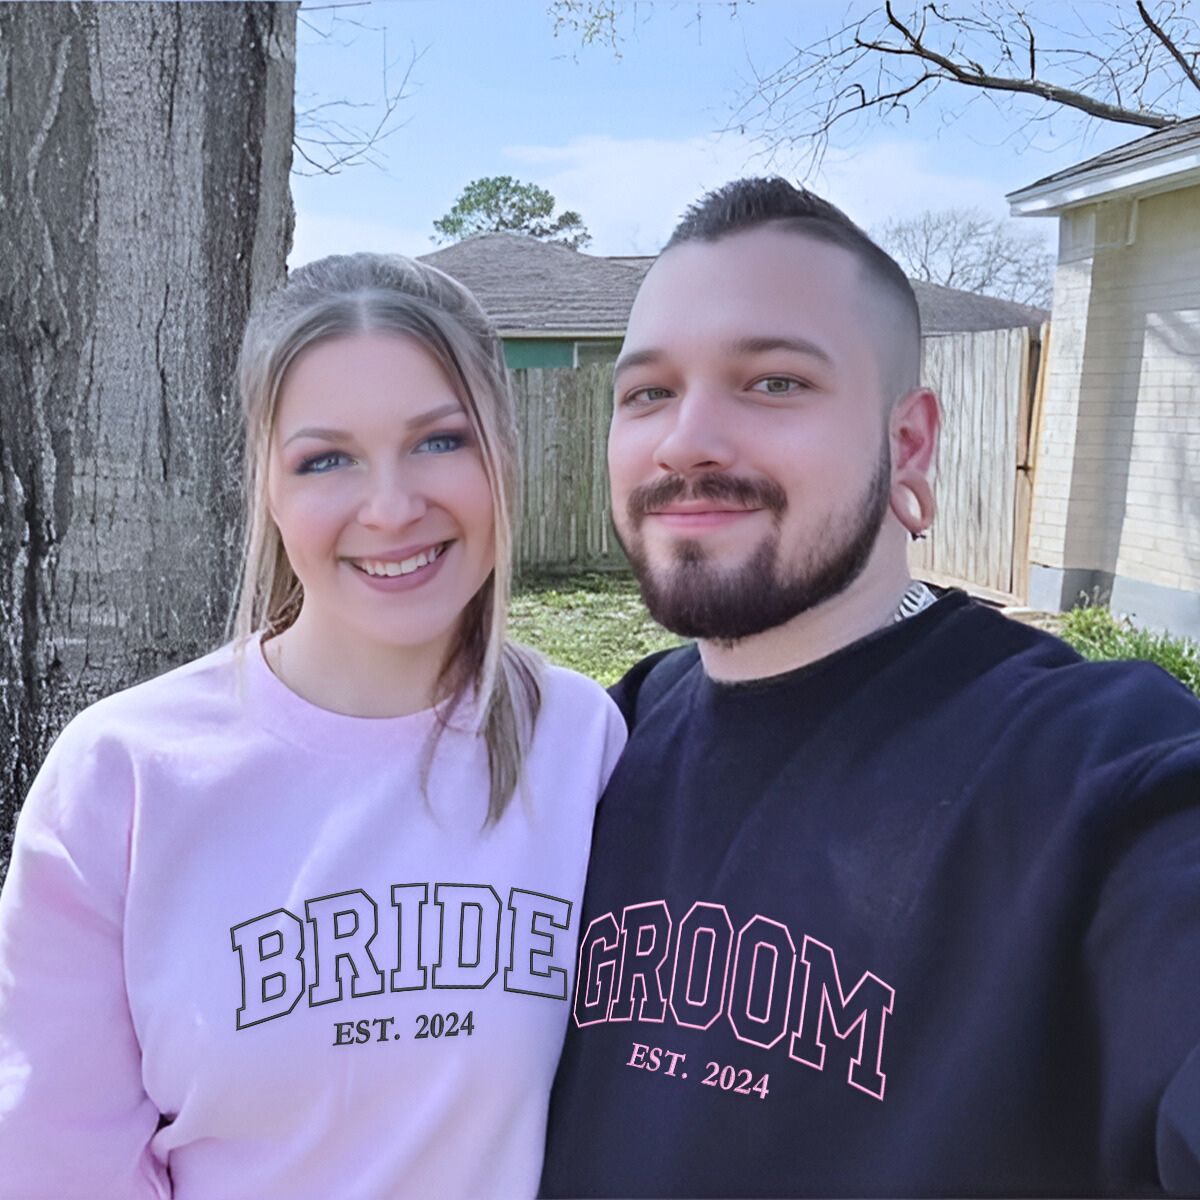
(529, 943)
(269, 950)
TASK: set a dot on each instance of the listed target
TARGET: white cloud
(631, 192)
(900, 178)
(320, 234)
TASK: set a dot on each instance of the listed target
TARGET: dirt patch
(1051, 622)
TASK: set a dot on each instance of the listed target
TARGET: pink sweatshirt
(242, 956)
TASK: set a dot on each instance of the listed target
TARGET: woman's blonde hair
(353, 294)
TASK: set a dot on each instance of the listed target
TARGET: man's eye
(441, 443)
(777, 385)
(647, 395)
(319, 464)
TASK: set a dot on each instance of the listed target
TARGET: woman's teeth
(405, 567)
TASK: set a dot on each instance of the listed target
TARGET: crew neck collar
(276, 707)
(893, 638)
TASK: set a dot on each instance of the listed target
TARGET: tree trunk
(144, 205)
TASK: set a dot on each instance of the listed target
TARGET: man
(888, 896)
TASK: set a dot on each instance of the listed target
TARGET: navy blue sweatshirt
(919, 919)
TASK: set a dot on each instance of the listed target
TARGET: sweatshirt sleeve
(75, 1120)
(1143, 960)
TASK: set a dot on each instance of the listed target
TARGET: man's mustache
(737, 492)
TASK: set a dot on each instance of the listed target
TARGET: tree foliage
(965, 248)
(1109, 60)
(501, 204)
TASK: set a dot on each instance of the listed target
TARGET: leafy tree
(965, 248)
(1109, 60)
(502, 204)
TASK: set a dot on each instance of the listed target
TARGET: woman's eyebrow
(342, 435)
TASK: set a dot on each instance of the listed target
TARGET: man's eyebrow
(341, 435)
(637, 358)
(739, 346)
(762, 345)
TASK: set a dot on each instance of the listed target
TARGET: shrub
(1097, 634)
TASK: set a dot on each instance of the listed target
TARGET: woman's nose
(391, 502)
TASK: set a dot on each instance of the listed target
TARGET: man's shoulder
(1039, 670)
(650, 678)
(1049, 713)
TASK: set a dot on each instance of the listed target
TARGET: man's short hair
(750, 203)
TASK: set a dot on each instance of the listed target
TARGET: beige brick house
(1116, 505)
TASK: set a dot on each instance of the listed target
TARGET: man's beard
(696, 599)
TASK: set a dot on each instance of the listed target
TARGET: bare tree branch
(974, 76)
(1171, 48)
(1102, 62)
(967, 249)
(327, 144)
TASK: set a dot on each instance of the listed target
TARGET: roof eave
(513, 331)
(1169, 170)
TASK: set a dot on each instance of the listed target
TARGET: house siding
(521, 353)
(1117, 493)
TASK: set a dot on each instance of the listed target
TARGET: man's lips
(697, 517)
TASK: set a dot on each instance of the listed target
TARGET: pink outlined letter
(765, 950)
(868, 1015)
(706, 933)
(598, 953)
(650, 927)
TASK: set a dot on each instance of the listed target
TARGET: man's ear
(913, 431)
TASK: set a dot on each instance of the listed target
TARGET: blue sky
(628, 140)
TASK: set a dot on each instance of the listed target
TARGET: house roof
(1166, 158)
(532, 288)
(528, 286)
(949, 310)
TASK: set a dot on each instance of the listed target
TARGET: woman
(298, 918)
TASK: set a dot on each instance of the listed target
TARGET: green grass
(595, 624)
(1097, 635)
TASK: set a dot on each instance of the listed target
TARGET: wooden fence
(563, 415)
(982, 482)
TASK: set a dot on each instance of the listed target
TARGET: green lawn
(598, 625)
(595, 623)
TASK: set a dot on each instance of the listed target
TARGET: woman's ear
(913, 429)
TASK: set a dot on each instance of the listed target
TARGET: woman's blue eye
(319, 464)
(442, 443)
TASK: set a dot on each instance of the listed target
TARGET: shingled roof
(948, 310)
(527, 286)
(531, 287)
(1166, 158)
(1161, 141)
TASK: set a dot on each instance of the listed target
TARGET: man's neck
(864, 607)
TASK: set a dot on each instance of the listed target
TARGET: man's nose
(699, 436)
(391, 501)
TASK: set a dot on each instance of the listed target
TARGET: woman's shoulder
(191, 695)
(575, 711)
(570, 691)
(579, 732)
(97, 754)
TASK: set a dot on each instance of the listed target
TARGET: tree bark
(144, 205)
